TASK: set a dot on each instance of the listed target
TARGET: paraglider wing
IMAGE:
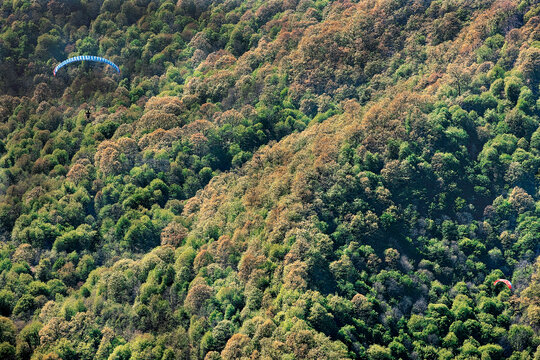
(508, 283)
(86, 58)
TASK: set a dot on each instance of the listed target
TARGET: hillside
(270, 180)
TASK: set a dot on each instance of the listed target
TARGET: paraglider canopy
(507, 282)
(85, 58)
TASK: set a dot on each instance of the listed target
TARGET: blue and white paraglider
(85, 58)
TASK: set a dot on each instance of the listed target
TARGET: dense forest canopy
(299, 179)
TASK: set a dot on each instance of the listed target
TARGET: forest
(270, 179)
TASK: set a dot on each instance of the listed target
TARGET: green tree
(87, 46)
(520, 336)
(25, 306)
(221, 333)
(122, 352)
(7, 351)
(512, 89)
(378, 352)
(7, 298)
(28, 340)
(7, 331)
(142, 235)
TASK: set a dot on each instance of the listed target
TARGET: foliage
(270, 180)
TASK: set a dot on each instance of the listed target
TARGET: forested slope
(270, 180)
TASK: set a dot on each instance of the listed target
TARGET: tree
(117, 287)
(24, 306)
(535, 140)
(530, 63)
(377, 352)
(521, 200)
(28, 340)
(7, 298)
(114, 157)
(7, 351)
(469, 350)
(520, 124)
(520, 336)
(173, 234)
(142, 234)
(7, 331)
(221, 333)
(85, 265)
(156, 119)
(197, 297)
(321, 320)
(446, 28)
(491, 351)
(122, 352)
(48, 45)
(512, 89)
(81, 238)
(236, 347)
(526, 101)
(460, 77)
(530, 298)
(87, 46)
